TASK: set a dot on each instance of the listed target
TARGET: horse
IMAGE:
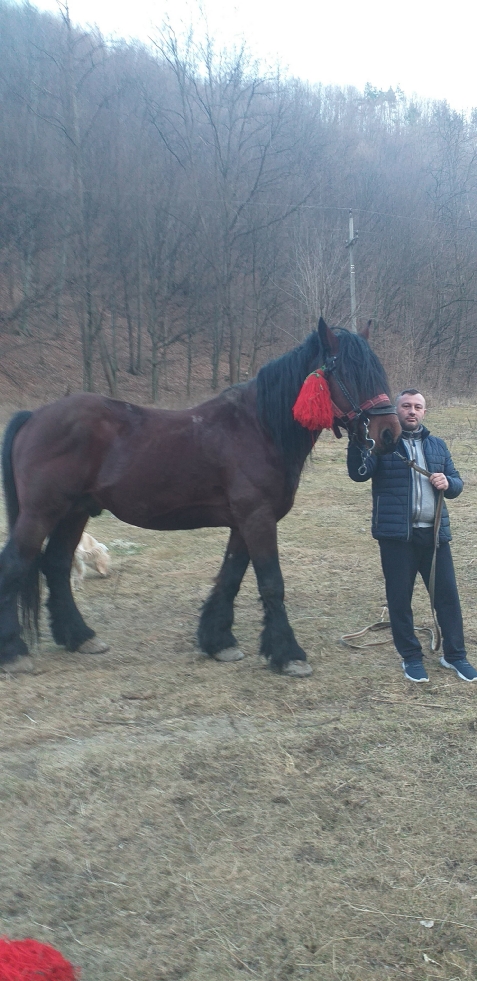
(234, 461)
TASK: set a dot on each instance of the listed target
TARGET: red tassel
(29, 960)
(313, 408)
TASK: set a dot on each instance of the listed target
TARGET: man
(404, 504)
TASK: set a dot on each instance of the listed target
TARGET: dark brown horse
(234, 461)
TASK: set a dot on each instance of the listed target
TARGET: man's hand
(439, 481)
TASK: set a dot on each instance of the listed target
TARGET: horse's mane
(279, 382)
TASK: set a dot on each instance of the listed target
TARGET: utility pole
(352, 285)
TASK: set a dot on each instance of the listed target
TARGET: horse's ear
(364, 332)
(328, 339)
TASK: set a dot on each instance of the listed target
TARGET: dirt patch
(167, 817)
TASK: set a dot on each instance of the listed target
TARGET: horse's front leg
(215, 628)
(278, 642)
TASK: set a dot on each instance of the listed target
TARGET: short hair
(409, 391)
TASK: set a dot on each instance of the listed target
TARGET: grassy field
(166, 817)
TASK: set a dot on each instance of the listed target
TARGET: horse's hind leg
(215, 628)
(67, 625)
(20, 580)
(13, 571)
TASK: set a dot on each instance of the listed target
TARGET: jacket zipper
(409, 499)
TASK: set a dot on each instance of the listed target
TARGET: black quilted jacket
(392, 486)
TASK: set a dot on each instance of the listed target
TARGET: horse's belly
(169, 514)
(188, 518)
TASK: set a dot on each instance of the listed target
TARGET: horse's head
(359, 390)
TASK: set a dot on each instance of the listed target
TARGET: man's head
(410, 408)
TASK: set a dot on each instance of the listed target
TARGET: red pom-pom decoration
(29, 960)
(313, 408)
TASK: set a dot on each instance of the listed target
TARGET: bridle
(349, 421)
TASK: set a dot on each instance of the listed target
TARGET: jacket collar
(424, 433)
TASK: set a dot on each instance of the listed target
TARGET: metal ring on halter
(366, 451)
(370, 442)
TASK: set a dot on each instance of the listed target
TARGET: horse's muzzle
(388, 440)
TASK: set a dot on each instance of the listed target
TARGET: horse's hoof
(19, 665)
(229, 654)
(13, 650)
(93, 646)
(297, 669)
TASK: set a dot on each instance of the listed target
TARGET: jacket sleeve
(456, 484)
(355, 462)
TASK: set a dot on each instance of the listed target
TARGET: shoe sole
(446, 664)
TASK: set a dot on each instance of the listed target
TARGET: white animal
(90, 553)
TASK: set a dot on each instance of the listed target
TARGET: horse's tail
(9, 488)
(30, 596)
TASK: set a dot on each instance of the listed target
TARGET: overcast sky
(424, 46)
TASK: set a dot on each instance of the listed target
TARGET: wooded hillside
(176, 205)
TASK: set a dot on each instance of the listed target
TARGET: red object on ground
(313, 408)
(29, 960)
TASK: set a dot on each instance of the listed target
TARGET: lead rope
(382, 623)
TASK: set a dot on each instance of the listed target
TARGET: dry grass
(167, 817)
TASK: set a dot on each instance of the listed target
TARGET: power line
(364, 211)
(272, 204)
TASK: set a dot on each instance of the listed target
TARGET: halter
(377, 406)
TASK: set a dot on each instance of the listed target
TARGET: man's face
(411, 410)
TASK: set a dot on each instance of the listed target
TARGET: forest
(178, 203)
